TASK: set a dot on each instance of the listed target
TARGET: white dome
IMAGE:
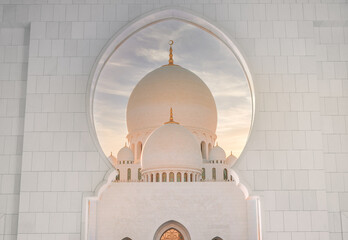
(112, 159)
(125, 154)
(171, 86)
(217, 153)
(171, 146)
(231, 159)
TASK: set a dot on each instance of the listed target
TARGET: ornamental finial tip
(171, 118)
(171, 61)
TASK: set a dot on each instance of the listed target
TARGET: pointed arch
(172, 225)
(128, 30)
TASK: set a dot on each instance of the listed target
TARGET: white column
(254, 218)
(92, 220)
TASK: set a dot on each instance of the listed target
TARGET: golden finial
(171, 119)
(171, 61)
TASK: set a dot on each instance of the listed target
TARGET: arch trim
(172, 224)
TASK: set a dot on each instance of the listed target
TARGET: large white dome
(171, 86)
(171, 146)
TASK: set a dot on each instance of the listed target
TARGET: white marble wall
(13, 79)
(332, 62)
(137, 210)
(296, 158)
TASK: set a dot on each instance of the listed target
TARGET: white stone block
(50, 202)
(36, 202)
(261, 181)
(276, 221)
(42, 222)
(56, 222)
(58, 181)
(301, 179)
(44, 181)
(319, 220)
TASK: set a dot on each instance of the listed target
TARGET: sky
(193, 49)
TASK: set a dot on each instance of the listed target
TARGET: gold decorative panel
(172, 234)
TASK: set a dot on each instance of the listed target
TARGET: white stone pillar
(92, 220)
(254, 218)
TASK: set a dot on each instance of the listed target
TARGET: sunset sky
(194, 49)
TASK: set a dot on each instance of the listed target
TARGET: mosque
(173, 181)
(175, 151)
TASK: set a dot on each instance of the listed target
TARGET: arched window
(118, 175)
(217, 238)
(214, 173)
(185, 177)
(191, 178)
(129, 174)
(209, 148)
(171, 177)
(225, 174)
(164, 177)
(204, 150)
(203, 174)
(178, 177)
(151, 177)
(139, 149)
(147, 178)
(157, 177)
(139, 174)
(172, 230)
(126, 238)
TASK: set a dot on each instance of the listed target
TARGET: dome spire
(171, 118)
(171, 61)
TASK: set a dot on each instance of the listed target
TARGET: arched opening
(204, 150)
(171, 177)
(126, 238)
(151, 177)
(172, 230)
(139, 149)
(225, 174)
(185, 177)
(157, 16)
(209, 148)
(139, 174)
(164, 177)
(217, 238)
(178, 177)
(157, 177)
(214, 173)
(118, 175)
(129, 174)
(203, 174)
(191, 177)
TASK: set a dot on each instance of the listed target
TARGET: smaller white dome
(231, 159)
(125, 154)
(217, 153)
(112, 159)
(171, 146)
